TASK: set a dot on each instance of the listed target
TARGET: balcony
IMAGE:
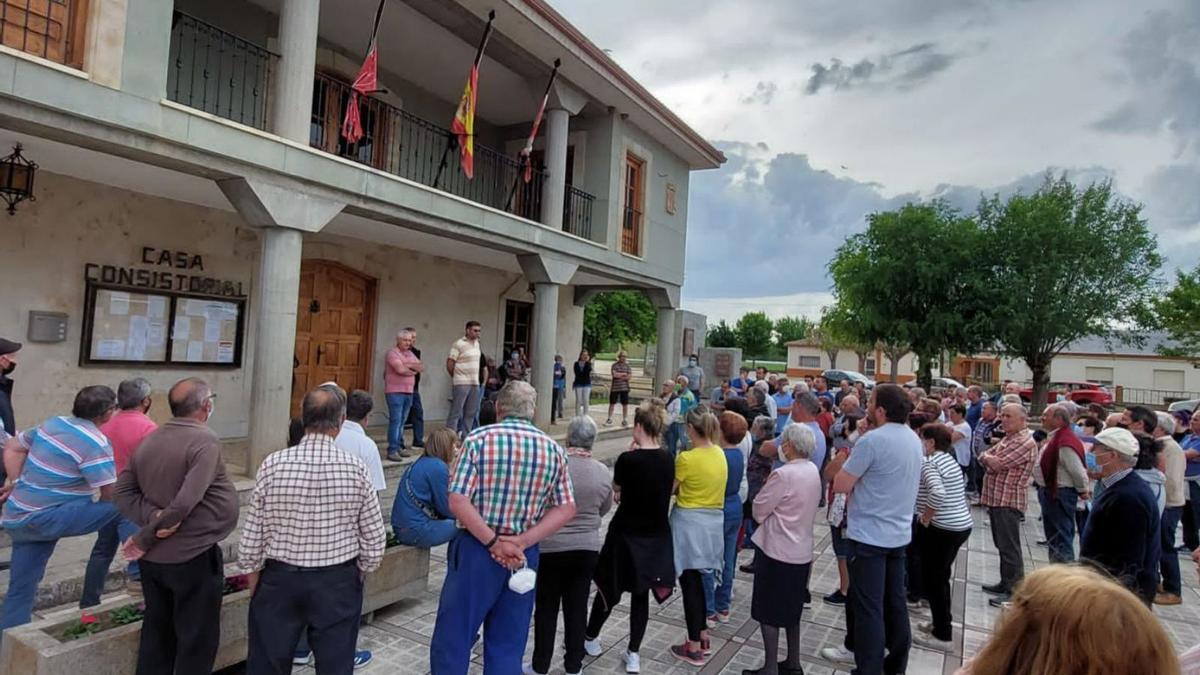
(222, 74)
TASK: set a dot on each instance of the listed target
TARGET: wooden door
(51, 29)
(335, 320)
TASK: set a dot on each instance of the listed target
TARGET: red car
(1082, 393)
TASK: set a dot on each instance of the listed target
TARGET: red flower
(87, 619)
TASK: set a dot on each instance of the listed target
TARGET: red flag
(527, 151)
(364, 84)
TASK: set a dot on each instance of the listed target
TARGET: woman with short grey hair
(568, 558)
(786, 510)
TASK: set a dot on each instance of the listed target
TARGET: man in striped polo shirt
(510, 490)
(58, 465)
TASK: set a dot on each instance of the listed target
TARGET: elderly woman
(637, 554)
(568, 558)
(421, 512)
(718, 594)
(786, 509)
(697, 524)
(945, 523)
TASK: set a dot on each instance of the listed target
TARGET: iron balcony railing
(222, 74)
(577, 212)
(218, 72)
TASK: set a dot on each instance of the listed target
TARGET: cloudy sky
(831, 109)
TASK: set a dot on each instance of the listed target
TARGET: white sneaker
(633, 662)
(838, 654)
(527, 669)
(592, 647)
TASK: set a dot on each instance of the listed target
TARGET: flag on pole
(364, 84)
(527, 151)
(463, 125)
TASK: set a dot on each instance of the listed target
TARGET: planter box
(32, 649)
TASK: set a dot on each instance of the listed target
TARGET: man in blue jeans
(51, 496)
(881, 476)
(399, 382)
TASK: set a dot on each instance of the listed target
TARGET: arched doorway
(335, 328)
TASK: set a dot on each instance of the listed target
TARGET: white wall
(1158, 373)
(73, 222)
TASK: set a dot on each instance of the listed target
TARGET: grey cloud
(1159, 56)
(902, 70)
(764, 93)
(1172, 197)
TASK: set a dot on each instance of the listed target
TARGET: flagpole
(527, 157)
(487, 35)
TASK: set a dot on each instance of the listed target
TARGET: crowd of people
(894, 473)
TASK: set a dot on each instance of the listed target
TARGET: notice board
(124, 325)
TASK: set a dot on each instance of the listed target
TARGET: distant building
(805, 358)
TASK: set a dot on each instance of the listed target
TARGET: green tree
(826, 341)
(914, 278)
(1066, 263)
(789, 328)
(618, 317)
(754, 333)
(721, 335)
(1179, 313)
(839, 321)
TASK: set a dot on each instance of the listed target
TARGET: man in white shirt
(353, 437)
(462, 365)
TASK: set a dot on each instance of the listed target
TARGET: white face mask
(522, 581)
(212, 410)
(779, 451)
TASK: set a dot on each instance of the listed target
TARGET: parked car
(938, 385)
(1082, 393)
(1189, 405)
(834, 377)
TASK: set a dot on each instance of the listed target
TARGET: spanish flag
(463, 125)
(464, 122)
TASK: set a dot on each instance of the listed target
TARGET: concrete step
(63, 581)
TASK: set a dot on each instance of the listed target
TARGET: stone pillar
(554, 191)
(276, 292)
(664, 355)
(282, 215)
(292, 88)
(547, 274)
(545, 342)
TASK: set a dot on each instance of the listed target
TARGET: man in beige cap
(1122, 534)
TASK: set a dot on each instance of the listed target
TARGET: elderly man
(511, 489)
(353, 438)
(805, 411)
(1061, 478)
(721, 395)
(844, 390)
(768, 399)
(176, 489)
(313, 531)
(1009, 465)
(125, 431)
(464, 365)
(49, 496)
(402, 366)
(881, 477)
(1123, 534)
(1174, 466)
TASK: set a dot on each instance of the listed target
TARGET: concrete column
(292, 88)
(276, 292)
(554, 191)
(545, 342)
(664, 355)
(145, 46)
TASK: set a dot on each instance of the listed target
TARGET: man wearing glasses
(50, 497)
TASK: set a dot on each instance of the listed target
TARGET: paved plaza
(399, 635)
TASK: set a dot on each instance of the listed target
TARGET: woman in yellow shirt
(697, 524)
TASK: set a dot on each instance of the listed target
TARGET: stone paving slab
(400, 634)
